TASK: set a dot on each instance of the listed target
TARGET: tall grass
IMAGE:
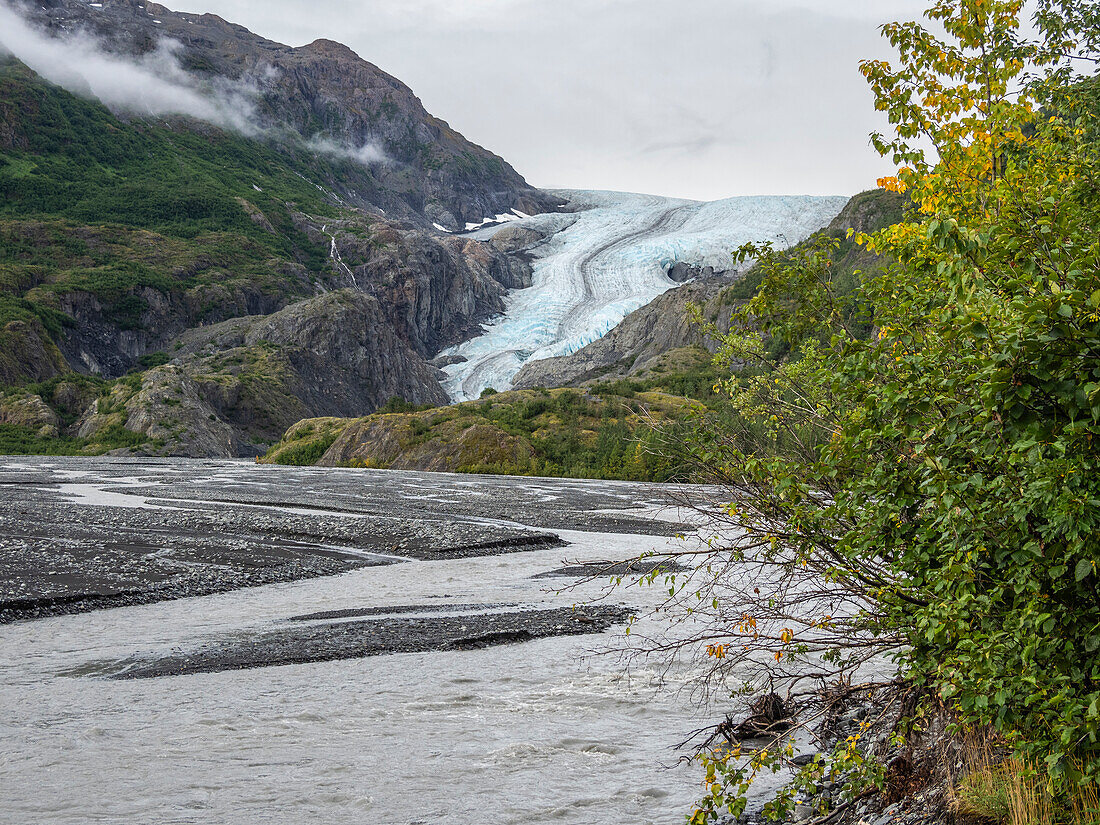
(1015, 792)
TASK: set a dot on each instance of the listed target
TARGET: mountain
(655, 366)
(177, 285)
(326, 95)
(206, 237)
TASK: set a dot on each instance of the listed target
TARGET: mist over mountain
(144, 59)
(207, 236)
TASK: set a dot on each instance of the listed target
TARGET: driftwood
(769, 717)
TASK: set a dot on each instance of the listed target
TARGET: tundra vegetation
(911, 473)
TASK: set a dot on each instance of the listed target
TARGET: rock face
(31, 412)
(413, 164)
(236, 385)
(515, 238)
(97, 343)
(28, 354)
(682, 272)
(643, 337)
(434, 291)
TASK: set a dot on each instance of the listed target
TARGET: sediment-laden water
(474, 731)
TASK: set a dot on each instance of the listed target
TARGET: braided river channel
(218, 641)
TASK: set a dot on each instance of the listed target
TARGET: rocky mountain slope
(416, 165)
(174, 286)
(246, 380)
(645, 338)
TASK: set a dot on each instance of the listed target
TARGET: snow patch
(514, 215)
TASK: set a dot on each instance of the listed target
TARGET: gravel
(357, 639)
(79, 534)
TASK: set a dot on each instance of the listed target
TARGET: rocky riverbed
(302, 644)
(79, 535)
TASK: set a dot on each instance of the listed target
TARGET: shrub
(930, 492)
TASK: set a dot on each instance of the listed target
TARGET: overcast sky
(692, 98)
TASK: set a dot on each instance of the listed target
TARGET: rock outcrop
(236, 386)
(435, 291)
(681, 272)
(391, 441)
(515, 238)
(519, 432)
(30, 411)
(636, 344)
(28, 354)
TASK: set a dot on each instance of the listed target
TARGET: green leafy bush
(938, 476)
(307, 451)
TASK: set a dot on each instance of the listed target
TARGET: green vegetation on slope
(562, 432)
(69, 157)
(92, 203)
(31, 426)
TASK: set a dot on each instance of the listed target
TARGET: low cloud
(154, 84)
(151, 85)
(368, 154)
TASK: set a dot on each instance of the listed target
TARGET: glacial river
(534, 732)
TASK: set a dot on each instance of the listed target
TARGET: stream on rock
(517, 729)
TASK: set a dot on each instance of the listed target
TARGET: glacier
(608, 257)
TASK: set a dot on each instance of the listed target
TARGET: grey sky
(693, 98)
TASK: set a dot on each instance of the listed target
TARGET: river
(547, 730)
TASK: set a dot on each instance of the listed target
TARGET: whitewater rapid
(610, 257)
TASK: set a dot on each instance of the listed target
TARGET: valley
(347, 475)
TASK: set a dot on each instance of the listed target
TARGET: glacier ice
(607, 259)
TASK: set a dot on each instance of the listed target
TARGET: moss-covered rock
(28, 354)
(307, 441)
(31, 412)
(408, 442)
